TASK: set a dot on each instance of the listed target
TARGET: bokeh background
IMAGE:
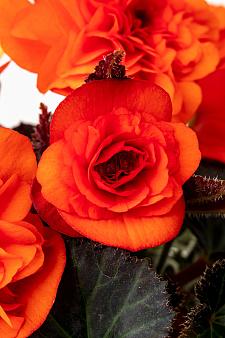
(19, 97)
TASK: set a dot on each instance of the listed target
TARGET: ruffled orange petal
(49, 213)
(38, 291)
(190, 102)
(190, 155)
(18, 168)
(19, 49)
(208, 63)
(49, 175)
(11, 332)
(11, 265)
(129, 232)
(102, 97)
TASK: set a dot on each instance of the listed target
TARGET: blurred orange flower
(32, 257)
(172, 42)
(210, 121)
(116, 164)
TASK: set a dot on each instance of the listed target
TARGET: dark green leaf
(51, 328)
(205, 201)
(123, 296)
(210, 232)
(108, 293)
(205, 191)
(202, 190)
(210, 168)
(207, 319)
(66, 316)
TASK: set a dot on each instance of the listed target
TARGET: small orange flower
(172, 42)
(210, 122)
(32, 257)
(116, 164)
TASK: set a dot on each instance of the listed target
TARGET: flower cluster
(115, 154)
(173, 43)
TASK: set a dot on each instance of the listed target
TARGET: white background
(19, 97)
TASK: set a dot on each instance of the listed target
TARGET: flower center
(144, 18)
(118, 166)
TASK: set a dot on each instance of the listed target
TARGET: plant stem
(191, 272)
(163, 256)
(58, 327)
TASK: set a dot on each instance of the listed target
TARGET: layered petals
(179, 40)
(85, 103)
(32, 257)
(114, 171)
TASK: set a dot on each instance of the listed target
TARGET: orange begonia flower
(173, 42)
(32, 257)
(116, 164)
(210, 122)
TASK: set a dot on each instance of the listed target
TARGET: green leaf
(211, 168)
(207, 319)
(202, 190)
(66, 317)
(108, 293)
(205, 202)
(205, 191)
(210, 232)
(123, 296)
(51, 328)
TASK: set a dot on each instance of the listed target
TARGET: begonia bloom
(32, 257)
(116, 164)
